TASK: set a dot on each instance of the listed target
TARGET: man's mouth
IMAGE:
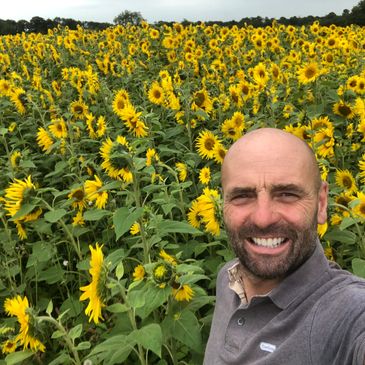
(268, 242)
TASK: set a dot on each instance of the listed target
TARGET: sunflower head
(162, 273)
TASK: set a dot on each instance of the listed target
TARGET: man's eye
(288, 196)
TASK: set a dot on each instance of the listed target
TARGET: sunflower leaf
(123, 220)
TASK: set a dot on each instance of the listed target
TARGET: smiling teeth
(268, 242)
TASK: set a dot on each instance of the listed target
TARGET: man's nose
(264, 212)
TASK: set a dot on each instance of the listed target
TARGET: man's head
(273, 200)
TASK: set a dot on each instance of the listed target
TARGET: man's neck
(256, 286)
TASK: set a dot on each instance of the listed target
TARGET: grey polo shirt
(315, 316)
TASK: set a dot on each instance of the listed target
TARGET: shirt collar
(309, 274)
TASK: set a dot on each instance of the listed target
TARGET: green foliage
(102, 200)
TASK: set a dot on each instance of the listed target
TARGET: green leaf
(83, 345)
(51, 275)
(61, 360)
(17, 357)
(154, 297)
(123, 220)
(57, 334)
(119, 271)
(75, 332)
(168, 226)
(114, 258)
(347, 237)
(346, 223)
(24, 210)
(49, 307)
(117, 308)
(358, 267)
(136, 298)
(150, 337)
(55, 215)
(95, 214)
(116, 349)
(186, 329)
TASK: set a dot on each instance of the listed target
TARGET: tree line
(39, 25)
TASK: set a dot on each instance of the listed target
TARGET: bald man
(281, 302)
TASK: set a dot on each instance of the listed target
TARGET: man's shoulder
(347, 292)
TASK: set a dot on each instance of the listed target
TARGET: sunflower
(135, 229)
(201, 100)
(5, 87)
(345, 180)
(308, 73)
(182, 170)
(139, 273)
(120, 101)
(183, 293)
(343, 109)
(131, 120)
(151, 156)
(230, 130)
(156, 94)
(58, 128)
(205, 144)
(94, 192)
(162, 273)
(168, 258)
(194, 217)
(19, 307)
(8, 346)
(204, 210)
(204, 175)
(260, 75)
(116, 159)
(321, 122)
(15, 158)
(17, 193)
(78, 198)
(360, 88)
(95, 291)
(359, 208)
(351, 82)
(17, 97)
(324, 142)
(361, 165)
(219, 153)
(96, 128)
(78, 219)
(44, 140)
(79, 109)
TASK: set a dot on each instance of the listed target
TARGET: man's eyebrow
(240, 190)
(287, 187)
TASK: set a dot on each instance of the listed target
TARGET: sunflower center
(309, 73)
(199, 99)
(209, 144)
(347, 182)
(344, 110)
(362, 209)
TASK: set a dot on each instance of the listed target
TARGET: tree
(131, 17)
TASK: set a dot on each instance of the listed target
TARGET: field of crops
(111, 144)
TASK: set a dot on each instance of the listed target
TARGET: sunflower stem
(67, 231)
(66, 336)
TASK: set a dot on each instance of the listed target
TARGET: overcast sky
(170, 10)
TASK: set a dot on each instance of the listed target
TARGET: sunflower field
(111, 145)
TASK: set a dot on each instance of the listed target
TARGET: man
(281, 302)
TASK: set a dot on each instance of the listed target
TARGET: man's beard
(302, 245)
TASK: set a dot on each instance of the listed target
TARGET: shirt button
(241, 321)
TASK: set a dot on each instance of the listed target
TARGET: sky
(171, 10)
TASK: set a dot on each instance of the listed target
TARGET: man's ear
(322, 203)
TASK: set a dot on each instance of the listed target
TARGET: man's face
(271, 210)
